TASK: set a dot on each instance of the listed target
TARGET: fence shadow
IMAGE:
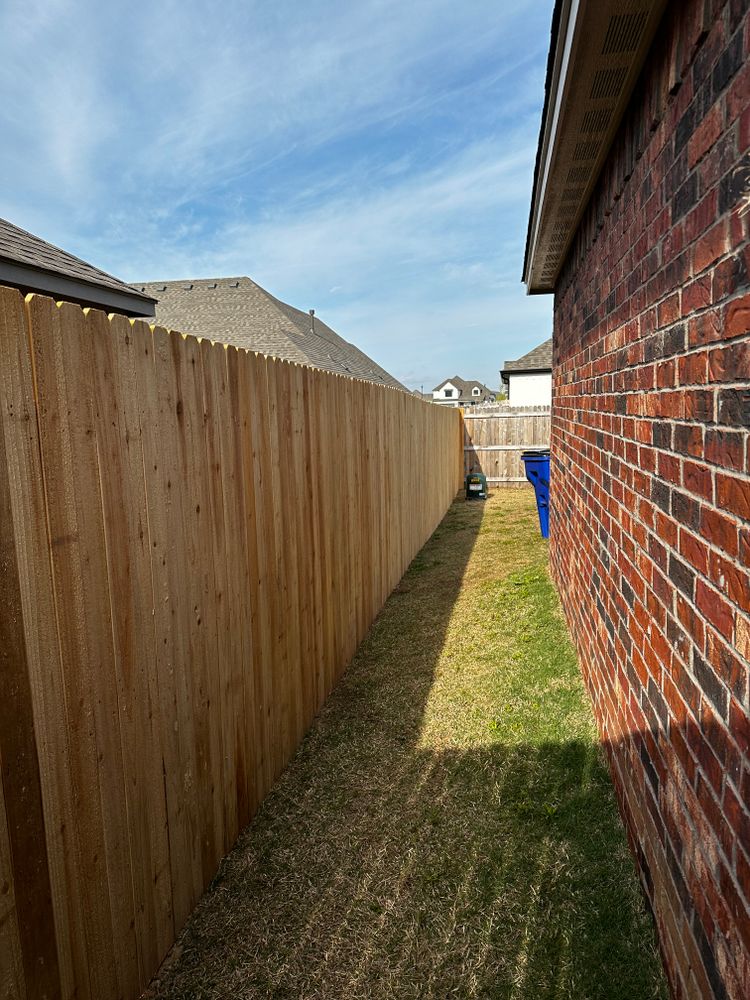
(383, 867)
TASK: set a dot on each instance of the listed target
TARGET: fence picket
(196, 540)
(493, 441)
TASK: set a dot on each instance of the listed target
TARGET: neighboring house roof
(238, 311)
(465, 387)
(33, 265)
(537, 360)
(596, 53)
(426, 396)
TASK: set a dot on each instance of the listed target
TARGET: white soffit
(599, 51)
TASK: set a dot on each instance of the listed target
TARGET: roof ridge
(258, 319)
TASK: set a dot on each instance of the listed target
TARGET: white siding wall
(439, 395)
(530, 390)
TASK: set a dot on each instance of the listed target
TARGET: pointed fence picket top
(194, 540)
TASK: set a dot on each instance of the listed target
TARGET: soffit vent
(577, 174)
(608, 82)
(624, 33)
(596, 120)
(600, 48)
(585, 150)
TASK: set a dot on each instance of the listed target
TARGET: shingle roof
(30, 263)
(538, 360)
(464, 385)
(238, 311)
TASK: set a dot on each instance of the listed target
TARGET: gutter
(60, 286)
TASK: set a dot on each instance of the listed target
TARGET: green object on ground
(476, 486)
(448, 827)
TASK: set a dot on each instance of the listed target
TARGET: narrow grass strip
(448, 827)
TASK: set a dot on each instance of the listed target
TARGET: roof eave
(597, 51)
(35, 279)
(526, 371)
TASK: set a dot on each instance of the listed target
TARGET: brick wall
(651, 492)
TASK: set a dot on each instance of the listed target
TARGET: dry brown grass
(447, 828)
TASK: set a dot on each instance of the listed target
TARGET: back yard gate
(494, 440)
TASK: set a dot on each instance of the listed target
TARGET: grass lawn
(448, 827)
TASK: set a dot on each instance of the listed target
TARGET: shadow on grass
(441, 850)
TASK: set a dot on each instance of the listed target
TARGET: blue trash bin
(537, 473)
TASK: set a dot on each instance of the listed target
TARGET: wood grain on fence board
(194, 541)
(493, 442)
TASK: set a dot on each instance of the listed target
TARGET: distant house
(529, 378)
(30, 264)
(458, 392)
(238, 311)
(424, 396)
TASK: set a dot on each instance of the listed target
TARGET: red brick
(693, 369)
(737, 816)
(725, 448)
(702, 216)
(652, 419)
(720, 530)
(669, 310)
(736, 99)
(713, 813)
(731, 580)
(743, 138)
(712, 245)
(697, 479)
(705, 328)
(728, 664)
(716, 609)
(738, 320)
(694, 551)
(704, 755)
(733, 495)
(697, 295)
(730, 364)
(742, 633)
(705, 135)
(739, 725)
(700, 404)
(730, 275)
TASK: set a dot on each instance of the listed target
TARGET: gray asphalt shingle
(539, 359)
(18, 246)
(238, 311)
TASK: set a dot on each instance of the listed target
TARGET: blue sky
(372, 159)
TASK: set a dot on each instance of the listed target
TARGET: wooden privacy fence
(494, 441)
(193, 541)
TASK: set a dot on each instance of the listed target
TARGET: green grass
(448, 827)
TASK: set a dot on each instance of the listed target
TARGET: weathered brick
(705, 135)
(685, 197)
(729, 276)
(733, 407)
(712, 245)
(697, 479)
(720, 530)
(738, 319)
(715, 609)
(730, 364)
(725, 448)
(733, 495)
(682, 576)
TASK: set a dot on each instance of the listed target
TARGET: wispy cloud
(371, 159)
